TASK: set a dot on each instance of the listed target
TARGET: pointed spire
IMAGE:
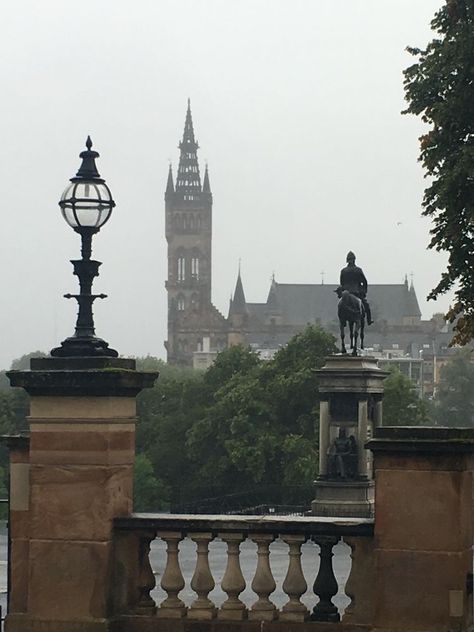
(188, 180)
(412, 307)
(405, 282)
(273, 304)
(239, 304)
(170, 184)
(206, 187)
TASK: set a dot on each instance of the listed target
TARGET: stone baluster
(325, 584)
(172, 581)
(360, 585)
(146, 579)
(202, 582)
(263, 583)
(294, 584)
(233, 582)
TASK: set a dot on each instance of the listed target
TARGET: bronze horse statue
(350, 309)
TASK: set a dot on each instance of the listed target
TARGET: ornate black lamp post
(86, 205)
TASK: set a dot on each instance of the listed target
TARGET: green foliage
(401, 404)
(23, 363)
(261, 425)
(149, 493)
(455, 396)
(243, 422)
(439, 87)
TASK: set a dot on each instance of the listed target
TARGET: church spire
(188, 180)
(169, 184)
(238, 304)
(206, 187)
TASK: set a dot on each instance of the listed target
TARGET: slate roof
(300, 304)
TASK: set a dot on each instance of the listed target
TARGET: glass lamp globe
(87, 201)
(86, 204)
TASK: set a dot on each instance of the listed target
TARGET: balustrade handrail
(276, 525)
(135, 578)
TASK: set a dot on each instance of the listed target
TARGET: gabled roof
(299, 304)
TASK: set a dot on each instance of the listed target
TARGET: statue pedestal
(351, 391)
(351, 499)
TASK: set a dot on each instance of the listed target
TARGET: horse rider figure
(353, 280)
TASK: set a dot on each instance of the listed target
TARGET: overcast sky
(296, 106)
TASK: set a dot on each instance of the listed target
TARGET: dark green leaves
(439, 88)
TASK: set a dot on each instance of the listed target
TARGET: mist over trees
(455, 396)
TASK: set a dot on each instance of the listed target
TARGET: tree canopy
(455, 397)
(401, 404)
(243, 422)
(439, 87)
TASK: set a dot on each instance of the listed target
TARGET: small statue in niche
(342, 453)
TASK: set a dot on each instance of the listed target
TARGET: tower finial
(188, 180)
(89, 143)
(206, 187)
(169, 183)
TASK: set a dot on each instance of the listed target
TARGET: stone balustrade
(134, 579)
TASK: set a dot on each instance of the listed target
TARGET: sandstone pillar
(423, 529)
(77, 478)
(351, 391)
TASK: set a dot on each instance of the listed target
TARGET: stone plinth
(351, 391)
(352, 499)
(423, 528)
(76, 478)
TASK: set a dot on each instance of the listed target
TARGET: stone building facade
(197, 331)
(191, 315)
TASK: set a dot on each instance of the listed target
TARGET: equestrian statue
(353, 307)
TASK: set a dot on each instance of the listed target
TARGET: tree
(260, 425)
(401, 404)
(165, 414)
(440, 89)
(455, 397)
(23, 363)
(149, 493)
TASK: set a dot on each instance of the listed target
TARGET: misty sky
(296, 106)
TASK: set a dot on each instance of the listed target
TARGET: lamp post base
(75, 346)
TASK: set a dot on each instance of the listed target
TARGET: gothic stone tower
(193, 322)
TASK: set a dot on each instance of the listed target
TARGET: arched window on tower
(180, 303)
(195, 267)
(181, 268)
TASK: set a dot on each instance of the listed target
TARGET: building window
(195, 267)
(181, 268)
(180, 303)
